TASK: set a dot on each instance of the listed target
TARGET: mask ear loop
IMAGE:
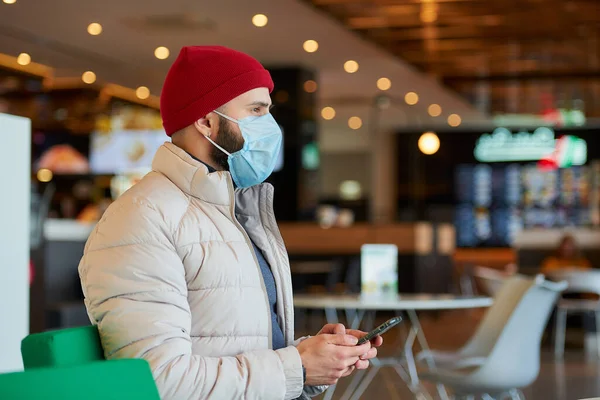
(217, 146)
(226, 117)
(213, 142)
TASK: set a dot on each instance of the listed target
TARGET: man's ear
(203, 126)
(208, 125)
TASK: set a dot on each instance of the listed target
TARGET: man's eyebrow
(260, 104)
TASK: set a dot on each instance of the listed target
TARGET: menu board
(495, 203)
(379, 269)
(116, 152)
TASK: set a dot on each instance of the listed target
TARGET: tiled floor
(577, 377)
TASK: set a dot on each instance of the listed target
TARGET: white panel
(15, 175)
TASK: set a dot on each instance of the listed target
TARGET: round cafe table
(357, 307)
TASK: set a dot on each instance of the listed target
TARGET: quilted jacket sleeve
(136, 292)
(310, 391)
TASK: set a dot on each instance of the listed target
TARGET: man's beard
(227, 139)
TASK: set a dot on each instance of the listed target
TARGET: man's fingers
(372, 353)
(362, 364)
(331, 329)
(377, 341)
(356, 333)
(339, 329)
(348, 371)
(344, 340)
(352, 352)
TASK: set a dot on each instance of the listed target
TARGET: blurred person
(188, 269)
(567, 256)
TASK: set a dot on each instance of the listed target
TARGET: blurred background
(466, 133)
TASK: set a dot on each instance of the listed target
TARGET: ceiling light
(384, 84)
(44, 175)
(434, 110)
(310, 86)
(23, 59)
(9, 1)
(411, 98)
(355, 123)
(162, 53)
(429, 143)
(94, 29)
(454, 120)
(350, 66)
(328, 113)
(429, 16)
(260, 20)
(142, 92)
(88, 77)
(310, 46)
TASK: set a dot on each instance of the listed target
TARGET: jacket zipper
(249, 243)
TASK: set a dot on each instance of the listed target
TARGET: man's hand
(377, 341)
(363, 362)
(329, 357)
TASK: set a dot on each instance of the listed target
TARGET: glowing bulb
(142, 92)
(411, 98)
(88, 77)
(454, 120)
(44, 175)
(350, 66)
(328, 113)
(162, 53)
(384, 84)
(429, 143)
(310, 86)
(23, 59)
(260, 20)
(434, 110)
(355, 123)
(94, 29)
(9, 1)
(310, 46)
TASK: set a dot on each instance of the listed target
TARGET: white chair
(514, 360)
(579, 282)
(482, 342)
(490, 279)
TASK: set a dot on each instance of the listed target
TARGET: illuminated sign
(504, 146)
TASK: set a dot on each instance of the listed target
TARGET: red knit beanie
(202, 79)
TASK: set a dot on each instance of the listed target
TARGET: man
(188, 270)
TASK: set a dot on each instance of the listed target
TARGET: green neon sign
(504, 146)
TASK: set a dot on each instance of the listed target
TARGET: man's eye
(256, 110)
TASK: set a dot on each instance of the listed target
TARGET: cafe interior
(440, 162)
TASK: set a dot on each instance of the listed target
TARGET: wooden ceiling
(544, 48)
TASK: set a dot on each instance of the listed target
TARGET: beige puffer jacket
(169, 275)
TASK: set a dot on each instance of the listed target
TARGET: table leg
(331, 315)
(366, 382)
(358, 376)
(414, 320)
(329, 392)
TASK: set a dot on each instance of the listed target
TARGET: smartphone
(380, 330)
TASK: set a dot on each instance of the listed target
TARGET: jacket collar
(191, 176)
(194, 178)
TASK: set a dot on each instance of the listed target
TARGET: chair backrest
(62, 348)
(506, 300)
(490, 279)
(579, 281)
(107, 380)
(515, 360)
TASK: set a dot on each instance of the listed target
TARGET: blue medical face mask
(256, 160)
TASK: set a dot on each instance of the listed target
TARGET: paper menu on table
(379, 269)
